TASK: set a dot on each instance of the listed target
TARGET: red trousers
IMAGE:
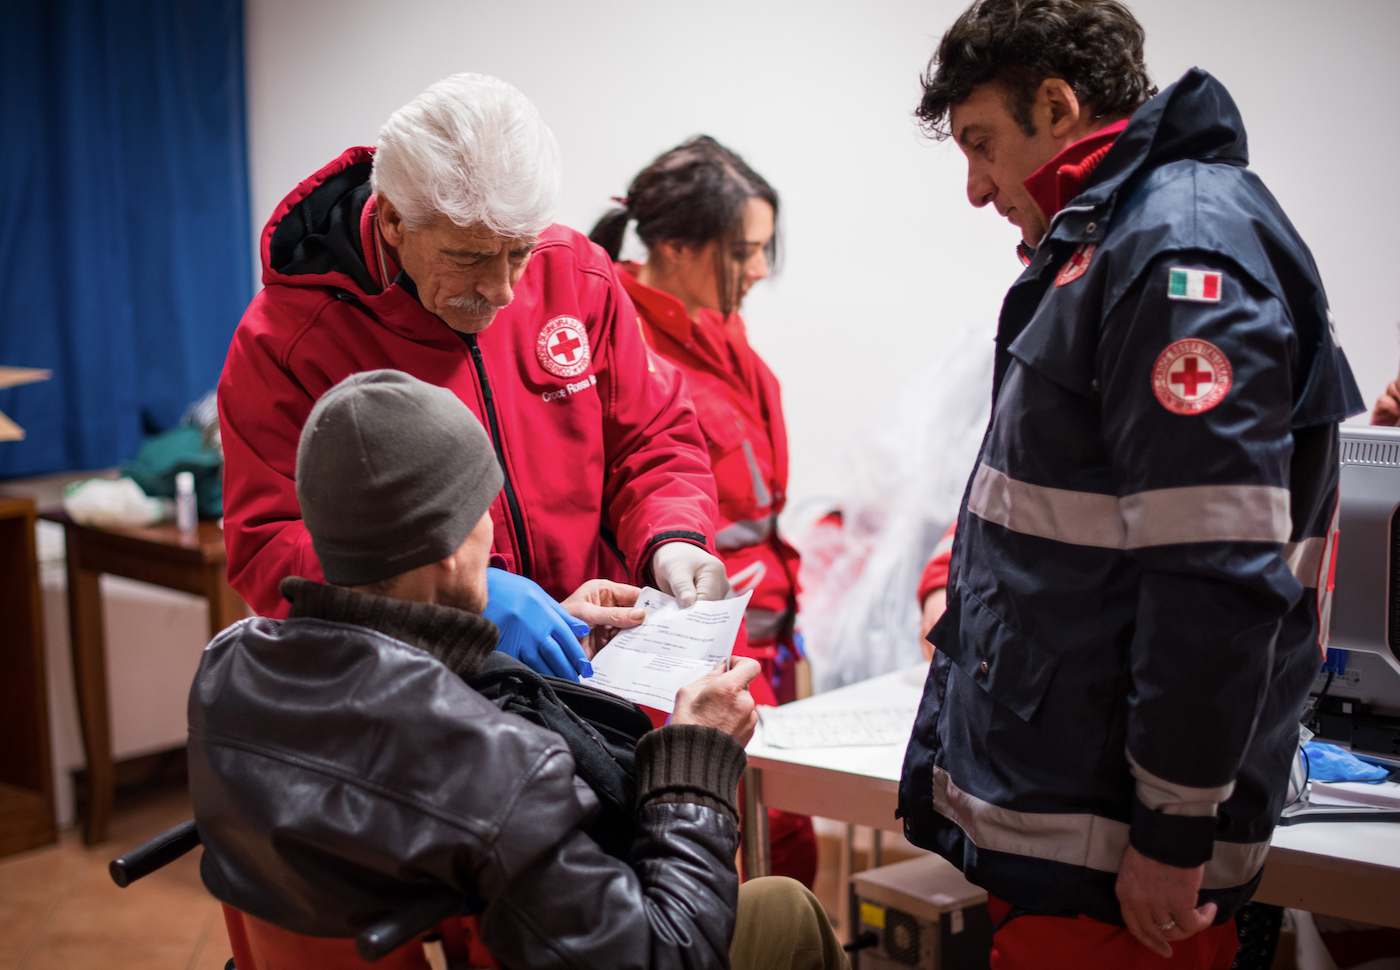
(1035, 942)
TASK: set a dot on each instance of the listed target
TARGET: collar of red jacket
(1063, 177)
(662, 310)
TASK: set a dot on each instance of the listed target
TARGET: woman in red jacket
(708, 221)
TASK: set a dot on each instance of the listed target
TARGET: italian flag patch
(1199, 285)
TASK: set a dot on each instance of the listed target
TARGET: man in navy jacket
(1139, 589)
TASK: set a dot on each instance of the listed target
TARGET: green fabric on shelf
(182, 449)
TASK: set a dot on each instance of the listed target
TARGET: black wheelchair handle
(396, 929)
(150, 856)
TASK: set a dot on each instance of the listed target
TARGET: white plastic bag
(905, 476)
(109, 503)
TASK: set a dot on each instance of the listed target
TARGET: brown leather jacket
(339, 770)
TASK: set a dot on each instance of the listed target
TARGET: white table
(1346, 869)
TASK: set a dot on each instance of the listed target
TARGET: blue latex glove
(1327, 762)
(535, 629)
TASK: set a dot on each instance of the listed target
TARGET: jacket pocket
(718, 420)
(1010, 667)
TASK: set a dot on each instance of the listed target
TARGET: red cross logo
(1189, 376)
(562, 347)
(565, 345)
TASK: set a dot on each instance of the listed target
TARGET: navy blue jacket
(1138, 589)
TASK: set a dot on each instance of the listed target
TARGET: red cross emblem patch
(1191, 376)
(562, 347)
(1078, 264)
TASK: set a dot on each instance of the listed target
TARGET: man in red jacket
(433, 254)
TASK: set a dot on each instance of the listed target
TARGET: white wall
(884, 257)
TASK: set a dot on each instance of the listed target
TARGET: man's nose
(980, 188)
(496, 286)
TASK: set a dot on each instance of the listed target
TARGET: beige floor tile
(21, 919)
(10, 955)
(97, 956)
(216, 952)
(144, 914)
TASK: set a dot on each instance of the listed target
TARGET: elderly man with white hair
(434, 254)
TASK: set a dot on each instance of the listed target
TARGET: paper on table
(1385, 794)
(836, 729)
(673, 647)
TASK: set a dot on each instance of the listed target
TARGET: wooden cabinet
(26, 771)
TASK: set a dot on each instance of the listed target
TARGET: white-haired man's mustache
(476, 304)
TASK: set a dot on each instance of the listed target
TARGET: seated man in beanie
(340, 763)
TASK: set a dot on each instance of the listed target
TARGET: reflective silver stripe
(1170, 798)
(749, 532)
(765, 624)
(1305, 559)
(1164, 516)
(761, 494)
(1078, 840)
(1207, 513)
(1078, 518)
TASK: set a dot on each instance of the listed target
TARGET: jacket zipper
(511, 501)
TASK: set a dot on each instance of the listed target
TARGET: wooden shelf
(26, 820)
(26, 775)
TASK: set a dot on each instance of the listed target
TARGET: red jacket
(602, 454)
(737, 399)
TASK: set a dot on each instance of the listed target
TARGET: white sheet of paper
(836, 729)
(1385, 794)
(673, 647)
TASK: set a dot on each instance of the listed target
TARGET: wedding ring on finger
(1167, 926)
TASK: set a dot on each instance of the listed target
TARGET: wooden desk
(161, 555)
(26, 774)
(1346, 869)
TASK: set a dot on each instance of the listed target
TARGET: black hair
(1095, 46)
(692, 194)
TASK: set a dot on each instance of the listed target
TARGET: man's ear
(390, 222)
(1059, 98)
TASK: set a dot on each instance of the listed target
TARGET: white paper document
(836, 729)
(1338, 794)
(673, 647)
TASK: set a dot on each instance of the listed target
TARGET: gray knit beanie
(392, 474)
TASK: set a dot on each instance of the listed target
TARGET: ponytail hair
(609, 231)
(692, 194)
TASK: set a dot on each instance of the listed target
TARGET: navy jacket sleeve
(1197, 397)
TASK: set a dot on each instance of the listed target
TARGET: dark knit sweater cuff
(1185, 841)
(689, 763)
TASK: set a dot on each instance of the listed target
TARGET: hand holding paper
(673, 647)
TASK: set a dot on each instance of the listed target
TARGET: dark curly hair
(692, 194)
(1095, 46)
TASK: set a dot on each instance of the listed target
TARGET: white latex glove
(688, 573)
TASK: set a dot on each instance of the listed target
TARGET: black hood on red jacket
(321, 233)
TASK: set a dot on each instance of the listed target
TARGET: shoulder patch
(1191, 376)
(1077, 265)
(1196, 285)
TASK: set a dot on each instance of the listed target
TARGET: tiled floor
(59, 910)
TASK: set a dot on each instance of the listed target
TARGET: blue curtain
(125, 254)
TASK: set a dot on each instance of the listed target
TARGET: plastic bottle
(186, 512)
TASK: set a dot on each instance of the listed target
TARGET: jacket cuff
(643, 570)
(689, 763)
(1184, 841)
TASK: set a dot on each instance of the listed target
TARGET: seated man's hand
(1154, 894)
(934, 606)
(688, 573)
(721, 699)
(607, 608)
(535, 629)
